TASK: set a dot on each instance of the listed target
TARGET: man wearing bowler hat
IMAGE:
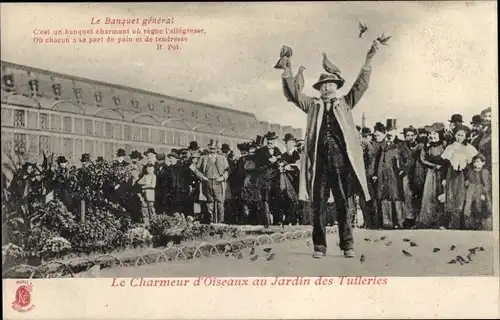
(332, 159)
(455, 120)
(120, 159)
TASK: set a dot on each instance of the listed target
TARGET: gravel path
(293, 258)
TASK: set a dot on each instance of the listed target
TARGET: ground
(293, 258)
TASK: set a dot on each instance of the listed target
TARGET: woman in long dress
(458, 155)
(430, 156)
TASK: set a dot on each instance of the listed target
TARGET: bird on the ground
(286, 52)
(469, 257)
(368, 239)
(460, 258)
(299, 84)
(309, 243)
(383, 237)
(376, 240)
(406, 253)
(252, 250)
(227, 254)
(328, 65)
(406, 240)
(271, 256)
(240, 255)
(413, 244)
(453, 261)
(388, 243)
(435, 250)
(338, 245)
(481, 249)
(452, 247)
(267, 250)
(253, 258)
(383, 39)
(362, 258)
(362, 29)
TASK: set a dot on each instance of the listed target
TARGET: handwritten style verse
(256, 282)
(160, 31)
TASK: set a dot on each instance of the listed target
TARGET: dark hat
(173, 155)
(289, 137)
(259, 141)
(136, 155)
(160, 156)
(410, 129)
(324, 78)
(456, 118)
(85, 157)
(193, 145)
(271, 135)
(212, 144)
(281, 161)
(366, 131)
(461, 127)
(61, 159)
(477, 119)
(150, 150)
(421, 130)
(242, 146)
(100, 159)
(379, 127)
(479, 156)
(225, 147)
(174, 151)
(252, 144)
(121, 153)
(435, 127)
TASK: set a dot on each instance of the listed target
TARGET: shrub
(166, 228)
(138, 237)
(12, 254)
(55, 247)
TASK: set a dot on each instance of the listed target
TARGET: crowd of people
(436, 177)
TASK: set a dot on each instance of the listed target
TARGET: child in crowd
(478, 210)
(148, 183)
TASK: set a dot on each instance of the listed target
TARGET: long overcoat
(315, 107)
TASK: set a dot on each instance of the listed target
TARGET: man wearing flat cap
(332, 159)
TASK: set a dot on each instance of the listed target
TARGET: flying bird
(362, 258)
(299, 84)
(267, 250)
(435, 250)
(452, 247)
(254, 257)
(406, 253)
(383, 39)
(362, 29)
(413, 244)
(286, 52)
(328, 65)
(271, 257)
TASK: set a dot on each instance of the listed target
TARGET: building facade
(67, 115)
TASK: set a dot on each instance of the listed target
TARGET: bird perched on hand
(362, 29)
(286, 52)
(299, 79)
(329, 66)
(383, 39)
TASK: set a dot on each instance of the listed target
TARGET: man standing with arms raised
(332, 159)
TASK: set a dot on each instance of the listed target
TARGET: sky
(441, 59)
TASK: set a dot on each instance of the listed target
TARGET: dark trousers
(335, 176)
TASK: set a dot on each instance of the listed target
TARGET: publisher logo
(22, 302)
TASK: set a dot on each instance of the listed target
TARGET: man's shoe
(318, 254)
(349, 253)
